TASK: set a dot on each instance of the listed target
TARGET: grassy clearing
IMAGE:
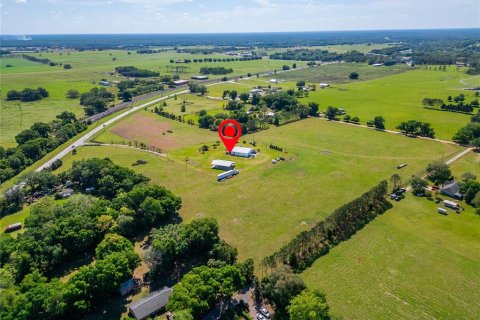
(410, 263)
(321, 157)
(338, 73)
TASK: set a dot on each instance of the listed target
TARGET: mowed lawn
(261, 209)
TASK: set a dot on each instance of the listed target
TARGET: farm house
(223, 165)
(452, 190)
(242, 152)
(150, 304)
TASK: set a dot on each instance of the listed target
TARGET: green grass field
(410, 263)
(338, 73)
(396, 97)
(296, 193)
(89, 67)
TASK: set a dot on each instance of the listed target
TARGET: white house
(242, 152)
(273, 81)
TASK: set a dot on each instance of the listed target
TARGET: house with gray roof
(452, 189)
(150, 304)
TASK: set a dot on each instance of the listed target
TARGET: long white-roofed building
(223, 165)
(242, 152)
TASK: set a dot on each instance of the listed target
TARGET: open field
(396, 97)
(410, 263)
(89, 67)
(151, 129)
(338, 73)
(341, 48)
(321, 157)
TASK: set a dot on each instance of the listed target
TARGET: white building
(223, 165)
(324, 85)
(242, 152)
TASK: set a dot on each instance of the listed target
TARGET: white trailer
(227, 174)
(442, 211)
(450, 204)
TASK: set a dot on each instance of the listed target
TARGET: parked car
(402, 190)
(260, 317)
(265, 312)
(398, 198)
(393, 196)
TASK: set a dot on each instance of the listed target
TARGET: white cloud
(20, 1)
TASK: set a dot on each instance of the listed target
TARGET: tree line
(27, 94)
(417, 128)
(36, 142)
(131, 71)
(470, 134)
(339, 226)
(215, 70)
(458, 106)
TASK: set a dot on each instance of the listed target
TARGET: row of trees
(339, 226)
(131, 71)
(215, 70)
(417, 128)
(38, 60)
(36, 142)
(459, 105)
(27, 94)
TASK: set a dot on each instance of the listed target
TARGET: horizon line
(248, 32)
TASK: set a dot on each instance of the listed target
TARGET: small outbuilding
(180, 82)
(65, 193)
(200, 78)
(13, 227)
(223, 165)
(105, 83)
(452, 189)
(324, 85)
(126, 287)
(242, 152)
(151, 304)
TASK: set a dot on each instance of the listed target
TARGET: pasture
(396, 97)
(89, 67)
(321, 157)
(410, 263)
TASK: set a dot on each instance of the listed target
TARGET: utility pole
(186, 162)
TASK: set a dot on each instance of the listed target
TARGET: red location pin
(229, 131)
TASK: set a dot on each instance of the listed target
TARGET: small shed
(256, 90)
(150, 304)
(452, 189)
(13, 227)
(223, 165)
(180, 82)
(324, 85)
(242, 152)
(65, 193)
(200, 78)
(126, 287)
(105, 83)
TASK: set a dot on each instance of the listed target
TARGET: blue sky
(192, 16)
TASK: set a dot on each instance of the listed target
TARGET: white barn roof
(223, 163)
